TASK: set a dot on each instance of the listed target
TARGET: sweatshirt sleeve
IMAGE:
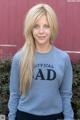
(66, 90)
(14, 88)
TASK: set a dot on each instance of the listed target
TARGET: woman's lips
(41, 37)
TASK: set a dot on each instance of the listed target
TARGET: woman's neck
(44, 48)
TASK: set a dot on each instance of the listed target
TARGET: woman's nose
(41, 29)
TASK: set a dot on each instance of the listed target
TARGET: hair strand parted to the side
(27, 60)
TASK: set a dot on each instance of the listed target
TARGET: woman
(41, 74)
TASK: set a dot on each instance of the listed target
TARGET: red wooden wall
(12, 14)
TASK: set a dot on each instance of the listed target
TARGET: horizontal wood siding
(12, 15)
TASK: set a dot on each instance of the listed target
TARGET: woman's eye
(46, 26)
(36, 26)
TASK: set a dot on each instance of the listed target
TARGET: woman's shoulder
(16, 57)
(61, 53)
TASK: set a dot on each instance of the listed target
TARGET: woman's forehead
(41, 18)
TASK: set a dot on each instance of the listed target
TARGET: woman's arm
(66, 90)
(14, 88)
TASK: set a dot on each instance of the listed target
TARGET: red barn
(12, 14)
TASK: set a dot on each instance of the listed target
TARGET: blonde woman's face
(41, 31)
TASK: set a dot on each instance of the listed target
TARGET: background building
(12, 15)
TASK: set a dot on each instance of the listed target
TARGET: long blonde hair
(27, 59)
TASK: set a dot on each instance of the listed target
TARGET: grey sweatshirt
(51, 88)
